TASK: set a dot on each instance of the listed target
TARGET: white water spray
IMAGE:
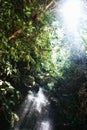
(34, 109)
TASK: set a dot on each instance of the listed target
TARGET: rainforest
(43, 64)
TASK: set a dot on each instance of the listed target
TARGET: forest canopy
(34, 46)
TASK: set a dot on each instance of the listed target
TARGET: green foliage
(24, 47)
(9, 97)
(32, 44)
(24, 38)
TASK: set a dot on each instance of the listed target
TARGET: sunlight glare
(71, 11)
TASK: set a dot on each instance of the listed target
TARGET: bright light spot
(45, 125)
(40, 100)
(1, 82)
(54, 55)
(72, 11)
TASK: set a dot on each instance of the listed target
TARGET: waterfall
(34, 113)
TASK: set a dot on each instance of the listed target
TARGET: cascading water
(34, 113)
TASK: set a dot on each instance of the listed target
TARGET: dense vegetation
(33, 53)
(25, 50)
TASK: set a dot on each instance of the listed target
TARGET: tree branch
(15, 34)
(50, 4)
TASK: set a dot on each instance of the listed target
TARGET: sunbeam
(72, 12)
(72, 15)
